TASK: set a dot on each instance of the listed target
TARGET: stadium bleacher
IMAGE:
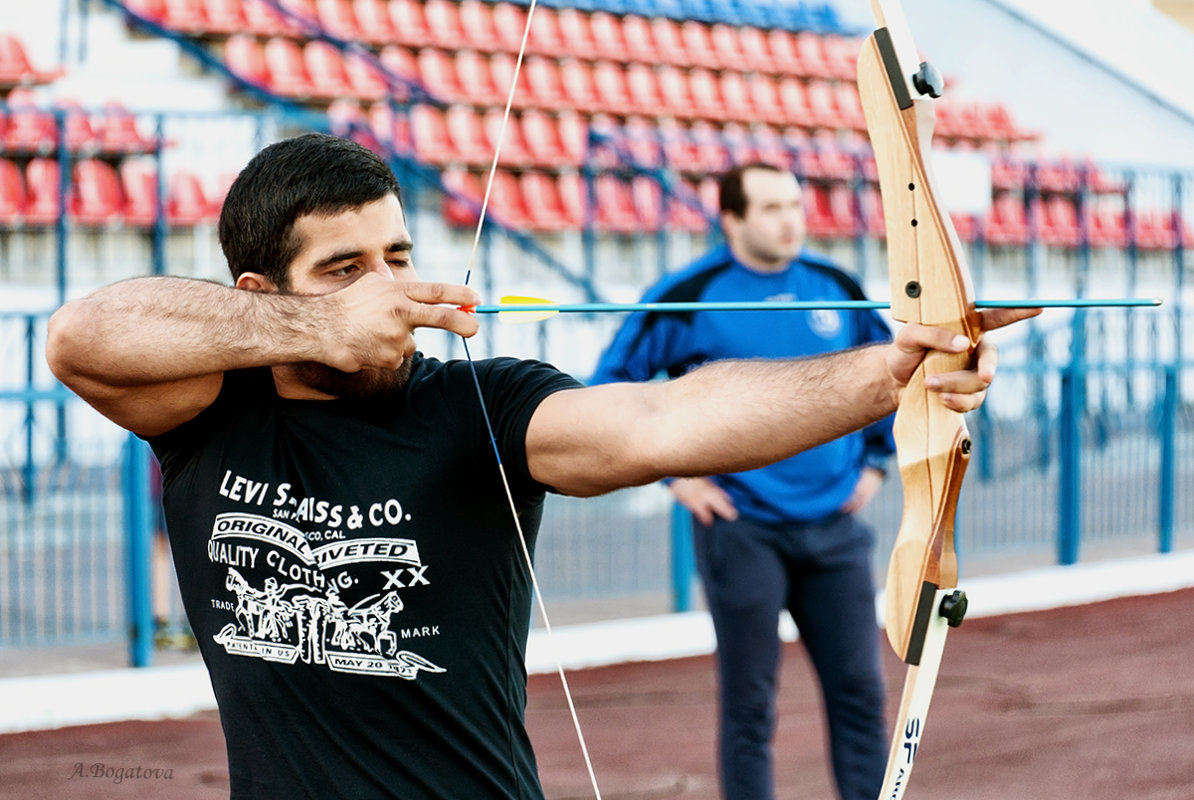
(688, 87)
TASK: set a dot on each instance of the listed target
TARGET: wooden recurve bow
(930, 284)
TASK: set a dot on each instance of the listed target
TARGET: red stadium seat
(42, 190)
(764, 99)
(822, 105)
(263, 19)
(669, 42)
(225, 17)
(640, 138)
(542, 83)
(871, 209)
(784, 52)
(12, 193)
(475, 78)
(374, 22)
(409, 23)
(466, 133)
(30, 128)
(443, 23)
(576, 34)
(287, 68)
(698, 46)
(543, 141)
(302, 19)
(509, 22)
(830, 211)
(676, 92)
(515, 151)
(366, 81)
(706, 94)
(187, 203)
(610, 82)
(402, 64)
(639, 40)
(841, 55)
(608, 38)
(462, 210)
(1059, 222)
(1007, 222)
(545, 204)
(727, 46)
(574, 196)
(711, 148)
(811, 50)
(429, 131)
(325, 68)
(79, 132)
(184, 16)
(545, 38)
(476, 23)
(645, 92)
(1108, 228)
(614, 205)
(244, 57)
(506, 202)
(756, 51)
(139, 181)
(437, 73)
(794, 101)
(96, 197)
(574, 136)
(391, 128)
(679, 150)
(647, 196)
(683, 214)
(849, 106)
(579, 86)
(338, 18)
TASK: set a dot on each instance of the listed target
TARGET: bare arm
(150, 353)
(735, 415)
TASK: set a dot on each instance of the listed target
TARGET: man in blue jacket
(785, 535)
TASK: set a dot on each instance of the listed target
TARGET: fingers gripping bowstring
(522, 541)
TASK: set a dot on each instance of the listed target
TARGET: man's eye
(344, 271)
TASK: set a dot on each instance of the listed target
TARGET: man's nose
(381, 267)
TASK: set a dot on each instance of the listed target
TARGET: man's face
(772, 231)
(336, 251)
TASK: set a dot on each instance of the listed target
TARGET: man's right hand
(371, 322)
(704, 499)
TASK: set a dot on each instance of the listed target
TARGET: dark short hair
(730, 196)
(309, 174)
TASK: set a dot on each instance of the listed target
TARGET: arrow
(515, 308)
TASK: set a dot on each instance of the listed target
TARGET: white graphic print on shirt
(296, 611)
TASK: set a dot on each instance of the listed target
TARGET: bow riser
(930, 285)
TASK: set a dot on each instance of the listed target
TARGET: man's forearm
(744, 414)
(156, 330)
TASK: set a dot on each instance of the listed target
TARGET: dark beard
(368, 384)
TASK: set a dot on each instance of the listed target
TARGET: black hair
(309, 174)
(730, 196)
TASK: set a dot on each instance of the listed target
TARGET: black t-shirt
(354, 579)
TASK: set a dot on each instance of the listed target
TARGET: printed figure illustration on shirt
(289, 599)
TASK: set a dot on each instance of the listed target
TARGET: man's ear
(255, 282)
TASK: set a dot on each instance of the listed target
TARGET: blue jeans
(821, 573)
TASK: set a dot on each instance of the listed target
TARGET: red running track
(1092, 702)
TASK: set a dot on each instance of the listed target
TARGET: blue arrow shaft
(797, 305)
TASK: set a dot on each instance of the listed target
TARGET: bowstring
(522, 540)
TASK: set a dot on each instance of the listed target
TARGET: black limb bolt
(953, 607)
(928, 80)
(912, 289)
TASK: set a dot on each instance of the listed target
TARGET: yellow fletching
(516, 316)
